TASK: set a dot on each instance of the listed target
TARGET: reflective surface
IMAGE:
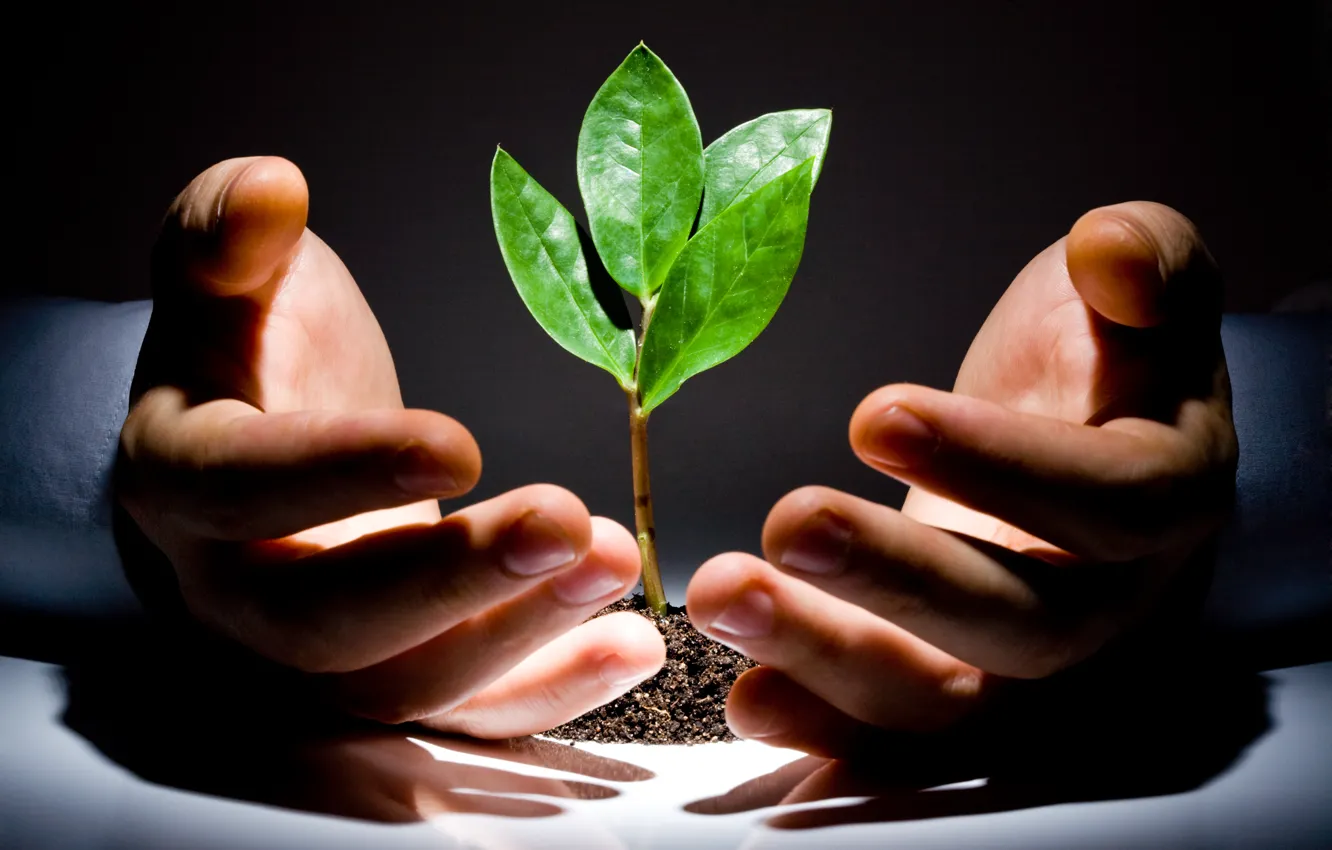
(122, 751)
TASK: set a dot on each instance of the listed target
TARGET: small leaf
(540, 243)
(757, 152)
(726, 285)
(640, 169)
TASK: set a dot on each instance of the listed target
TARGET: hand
(256, 751)
(268, 455)
(1083, 458)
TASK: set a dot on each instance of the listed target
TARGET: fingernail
(767, 725)
(820, 546)
(534, 545)
(218, 209)
(618, 673)
(748, 616)
(585, 584)
(899, 438)
(420, 474)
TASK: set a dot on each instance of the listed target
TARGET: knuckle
(903, 589)
(131, 432)
(452, 589)
(908, 605)
(1145, 515)
(1076, 626)
(279, 626)
(792, 511)
(278, 631)
(1135, 518)
(400, 702)
(135, 456)
(825, 647)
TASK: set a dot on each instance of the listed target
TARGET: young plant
(642, 171)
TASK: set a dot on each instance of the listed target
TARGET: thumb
(1140, 264)
(232, 227)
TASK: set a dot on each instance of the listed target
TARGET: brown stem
(647, 532)
(653, 591)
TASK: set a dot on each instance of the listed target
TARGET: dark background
(967, 136)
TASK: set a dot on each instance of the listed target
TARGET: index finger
(1110, 493)
(1002, 612)
(226, 471)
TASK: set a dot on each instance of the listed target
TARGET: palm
(1042, 350)
(320, 348)
(303, 343)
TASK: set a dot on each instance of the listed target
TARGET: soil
(683, 704)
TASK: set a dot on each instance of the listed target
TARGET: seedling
(642, 171)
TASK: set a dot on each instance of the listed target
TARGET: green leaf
(640, 169)
(757, 152)
(726, 285)
(539, 240)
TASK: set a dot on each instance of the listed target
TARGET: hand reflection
(1081, 737)
(194, 728)
(378, 775)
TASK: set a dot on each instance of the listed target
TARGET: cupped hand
(1058, 494)
(268, 455)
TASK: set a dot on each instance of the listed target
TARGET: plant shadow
(607, 292)
(177, 716)
(1071, 739)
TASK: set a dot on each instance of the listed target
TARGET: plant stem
(653, 592)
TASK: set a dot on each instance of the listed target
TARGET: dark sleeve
(1272, 591)
(65, 371)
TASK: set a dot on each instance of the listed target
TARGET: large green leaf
(640, 169)
(757, 152)
(726, 285)
(539, 240)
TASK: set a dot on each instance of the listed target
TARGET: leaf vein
(671, 366)
(550, 259)
(763, 167)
